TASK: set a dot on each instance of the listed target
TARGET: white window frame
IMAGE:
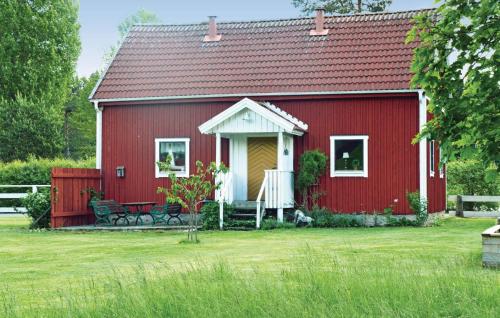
(163, 174)
(432, 158)
(349, 173)
(441, 164)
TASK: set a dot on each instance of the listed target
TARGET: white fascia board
(159, 98)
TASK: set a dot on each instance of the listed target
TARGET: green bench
(165, 213)
(104, 210)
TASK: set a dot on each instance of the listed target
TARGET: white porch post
(218, 192)
(281, 167)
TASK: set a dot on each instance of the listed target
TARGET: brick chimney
(320, 23)
(212, 31)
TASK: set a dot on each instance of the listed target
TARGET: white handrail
(226, 184)
(34, 189)
(259, 199)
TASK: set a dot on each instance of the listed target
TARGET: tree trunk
(359, 6)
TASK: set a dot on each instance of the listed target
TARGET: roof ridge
(351, 15)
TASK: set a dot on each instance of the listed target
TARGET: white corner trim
(422, 145)
(158, 173)
(206, 128)
(353, 173)
(98, 135)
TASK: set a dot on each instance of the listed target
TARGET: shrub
(271, 224)
(312, 165)
(210, 215)
(38, 208)
(37, 171)
(469, 177)
(326, 218)
(419, 206)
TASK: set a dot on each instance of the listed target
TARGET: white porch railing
(224, 195)
(278, 189)
(18, 195)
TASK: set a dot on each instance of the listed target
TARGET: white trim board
(158, 173)
(159, 98)
(422, 145)
(349, 173)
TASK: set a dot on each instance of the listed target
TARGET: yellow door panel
(262, 155)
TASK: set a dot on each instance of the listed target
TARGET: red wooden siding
(390, 121)
(69, 198)
(436, 186)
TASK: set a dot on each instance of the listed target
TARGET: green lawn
(409, 272)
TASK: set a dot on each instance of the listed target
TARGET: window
(432, 160)
(178, 150)
(349, 156)
(441, 164)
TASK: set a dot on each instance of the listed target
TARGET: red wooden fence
(70, 196)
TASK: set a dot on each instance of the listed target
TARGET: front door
(262, 155)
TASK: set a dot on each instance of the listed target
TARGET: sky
(99, 19)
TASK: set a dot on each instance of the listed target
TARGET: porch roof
(249, 116)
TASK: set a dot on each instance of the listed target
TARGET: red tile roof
(361, 52)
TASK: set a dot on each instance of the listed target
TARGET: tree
(140, 17)
(29, 127)
(190, 192)
(456, 64)
(342, 6)
(39, 46)
(79, 123)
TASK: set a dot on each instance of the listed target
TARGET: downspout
(422, 144)
(98, 135)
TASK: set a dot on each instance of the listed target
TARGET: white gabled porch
(260, 155)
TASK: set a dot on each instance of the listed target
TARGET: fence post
(34, 189)
(460, 206)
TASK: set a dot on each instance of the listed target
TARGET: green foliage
(312, 165)
(29, 127)
(271, 224)
(37, 171)
(419, 206)
(79, 128)
(342, 6)
(190, 192)
(140, 17)
(210, 215)
(326, 218)
(39, 46)
(470, 178)
(38, 209)
(456, 64)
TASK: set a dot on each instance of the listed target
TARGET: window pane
(177, 152)
(349, 155)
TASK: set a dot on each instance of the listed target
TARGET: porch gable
(248, 116)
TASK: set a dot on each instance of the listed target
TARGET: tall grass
(319, 284)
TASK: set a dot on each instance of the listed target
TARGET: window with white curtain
(177, 151)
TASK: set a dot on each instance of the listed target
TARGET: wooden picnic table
(139, 208)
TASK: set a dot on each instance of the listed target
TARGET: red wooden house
(256, 95)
